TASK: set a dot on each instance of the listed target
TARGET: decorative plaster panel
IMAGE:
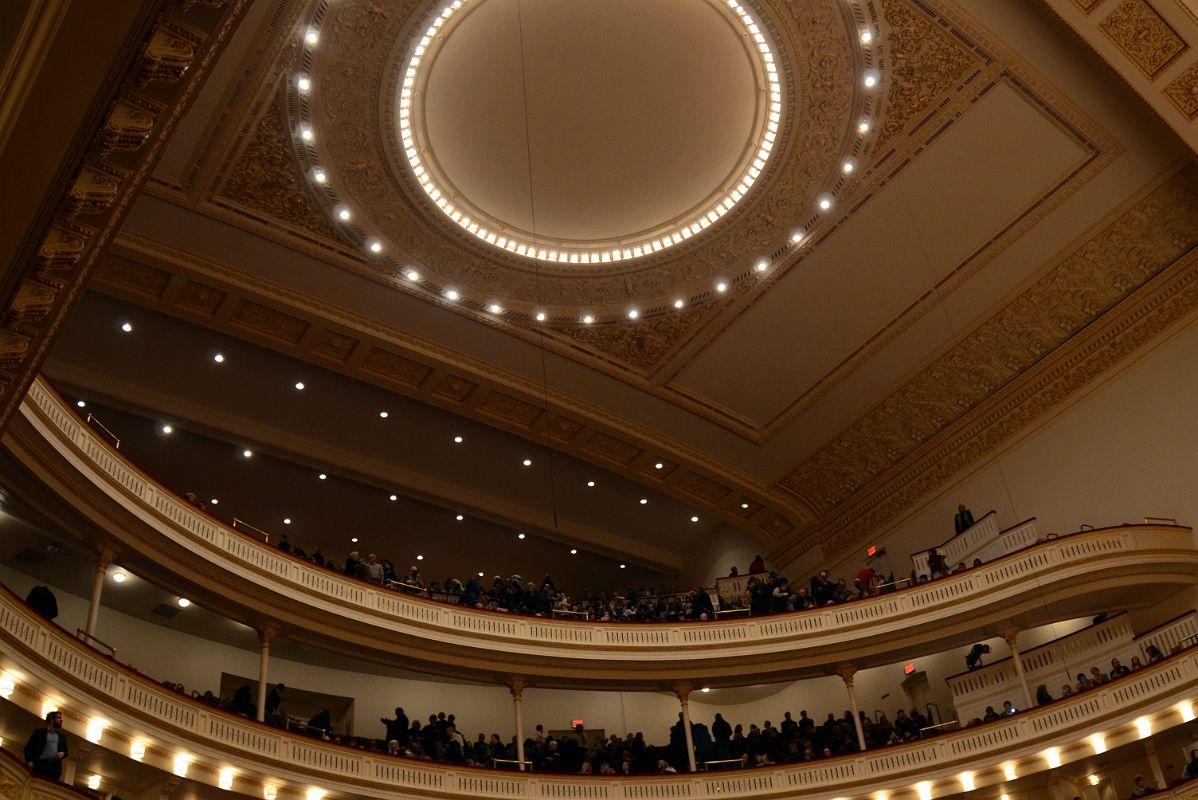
(1140, 32)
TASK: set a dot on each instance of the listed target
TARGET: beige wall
(1126, 449)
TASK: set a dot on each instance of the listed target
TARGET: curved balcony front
(55, 458)
(49, 667)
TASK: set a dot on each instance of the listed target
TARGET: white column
(684, 692)
(103, 559)
(846, 674)
(1158, 774)
(517, 688)
(1012, 637)
(265, 634)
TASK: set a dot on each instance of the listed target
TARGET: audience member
(47, 748)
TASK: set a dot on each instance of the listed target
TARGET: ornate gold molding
(1124, 285)
(149, 93)
(1138, 29)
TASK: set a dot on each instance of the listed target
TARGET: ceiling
(1012, 206)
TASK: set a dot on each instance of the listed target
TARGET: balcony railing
(321, 606)
(51, 666)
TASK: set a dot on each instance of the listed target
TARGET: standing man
(964, 519)
(47, 748)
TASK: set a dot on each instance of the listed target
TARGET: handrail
(94, 421)
(520, 765)
(87, 637)
(939, 725)
(1150, 520)
(314, 600)
(86, 682)
(242, 525)
(722, 762)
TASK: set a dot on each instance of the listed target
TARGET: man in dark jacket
(47, 748)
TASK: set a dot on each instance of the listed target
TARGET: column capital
(104, 556)
(517, 687)
(268, 631)
(683, 690)
(1011, 636)
(846, 673)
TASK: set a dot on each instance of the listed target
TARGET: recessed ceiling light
(519, 536)
(383, 415)
(587, 319)
(679, 303)
(528, 462)
(695, 518)
(866, 37)
(622, 566)
(127, 327)
(825, 203)
(219, 358)
(119, 576)
(376, 246)
(460, 517)
(306, 133)
(847, 167)
(480, 574)
(871, 79)
(299, 386)
(343, 214)
(457, 440)
(312, 36)
(659, 465)
(286, 520)
(320, 176)
(304, 83)
(412, 275)
(644, 500)
(744, 505)
(247, 453)
(214, 501)
(633, 313)
(721, 287)
(183, 602)
(354, 540)
(452, 294)
(419, 558)
(81, 404)
(495, 308)
(167, 429)
(573, 551)
(863, 126)
(540, 316)
(705, 690)
(591, 484)
(393, 498)
(323, 477)
(761, 266)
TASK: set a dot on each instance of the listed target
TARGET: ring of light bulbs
(563, 253)
(306, 137)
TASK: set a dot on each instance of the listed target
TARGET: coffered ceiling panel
(1002, 159)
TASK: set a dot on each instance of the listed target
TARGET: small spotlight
(304, 83)
(847, 167)
(286, 520)
(695, 518)
(452, 294)
(679, 303)
(457, 440)
(219, 358)
(214, 501)
(383, 415)
(412, 275)
(323, 476)
(633, 313)
(93, 782)
(573, 551)
(270, 792)
(419, 558)
(825, 203)
(393, 498)
(705, 689)
(721, 287)
(461, 517)
(796, 237)
(622, 566)
(247, 453)
(119, 576)
(306, 133)
(376, 246)
(863, 126)
(761, 266)
(127, 327)
(866, 37)
(167, 429)
(540, 316)
(320, 176)
(519, 536)
(312, 36)
(183, 602)
(81, 404)
(644, 501)
(299, 386)
(353, 540)
(225, 779)
(587, 319)
(590, 484)
(659, 465)
(528, 462)
(871, 80)
(343, 214)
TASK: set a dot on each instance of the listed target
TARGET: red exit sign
(575, 723)
(909, 668)
(872, 549)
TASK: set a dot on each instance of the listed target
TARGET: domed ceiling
(929, 223)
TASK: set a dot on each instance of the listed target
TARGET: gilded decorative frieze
(265, 179)
(395, 367)
(1143, 35)
(267, 321)
(617, 450)
(201, 298)
(1148, 238)
(169, 53)
(641, 346)
(129, 124)
(1182, 91)
(133, 275)
(510, 409)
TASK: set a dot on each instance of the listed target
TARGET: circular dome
(592, 131)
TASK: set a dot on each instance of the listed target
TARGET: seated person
(1042, 695)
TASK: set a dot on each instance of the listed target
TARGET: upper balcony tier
(69, 472)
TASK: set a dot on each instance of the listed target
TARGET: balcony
(47, 666)
(56, 458)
